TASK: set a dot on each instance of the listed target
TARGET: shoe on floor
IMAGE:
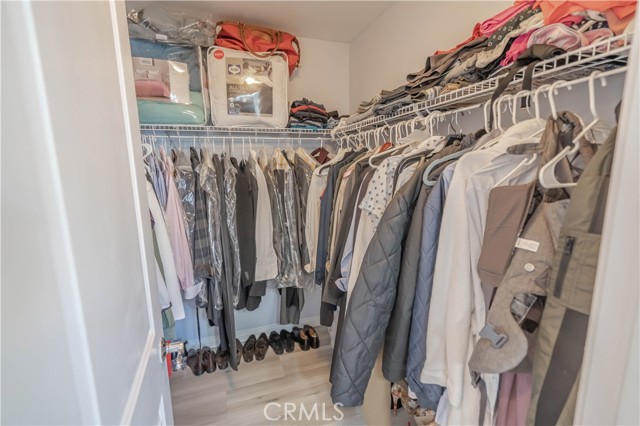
(287, 340)
(208, 359)
(249, 348)
(275, 343)
(314, 340)
(301, 338)
(194, 361)
(262, 346)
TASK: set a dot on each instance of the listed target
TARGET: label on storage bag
(249, 87)
(161, 80)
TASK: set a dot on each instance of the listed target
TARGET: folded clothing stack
(306, 114)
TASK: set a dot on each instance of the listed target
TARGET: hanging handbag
(259, 41)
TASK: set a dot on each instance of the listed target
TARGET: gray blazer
(396, 340)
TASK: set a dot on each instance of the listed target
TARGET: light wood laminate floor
(239, 397)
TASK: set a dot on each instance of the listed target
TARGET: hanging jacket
(374, 293)
(201, 249)
(185, 182)
(373, 297)
(428, 395)
(518, 271)
(396, 344)
(227, 267)
(396, 340)
(304, 172)
(266, 260)
(277, 211)
(245, 230)
(175, 226)
(230, 202)
(166, 254)
(208, 181)
(285, 189)
(563, 329)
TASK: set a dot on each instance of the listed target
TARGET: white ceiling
(338, 21)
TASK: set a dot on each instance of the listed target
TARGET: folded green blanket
(154, 112)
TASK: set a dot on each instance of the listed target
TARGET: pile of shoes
(400, 396)
(206, 359)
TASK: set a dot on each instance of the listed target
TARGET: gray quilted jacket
(428, 394)
(373, 298)
(396, 340)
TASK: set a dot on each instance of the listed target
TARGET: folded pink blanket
(152, 88)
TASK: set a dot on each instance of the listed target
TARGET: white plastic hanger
(436, 163)
(430, 121)
(514, 111)
(525, 162)
(536, 101)
(353, 141)
(413, 133)
(368, 136)
(547, 175)
(339, 155)
(498, 111)
(536, 97)
(553, 90)
(497, 121)
(147, 149)
(485, 112)
(401, 144)
(592, 106)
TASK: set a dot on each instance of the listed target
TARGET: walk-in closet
(320, 213)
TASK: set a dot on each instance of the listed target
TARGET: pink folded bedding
(152, 89)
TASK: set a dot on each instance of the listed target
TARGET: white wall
(324, 74)
(400, 40)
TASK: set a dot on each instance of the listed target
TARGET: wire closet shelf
(603, 56)
(178, 131)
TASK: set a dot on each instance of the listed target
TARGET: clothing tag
(161, 37)
(528, 245)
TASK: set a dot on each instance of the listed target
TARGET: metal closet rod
(232, 130)
(237, 139)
